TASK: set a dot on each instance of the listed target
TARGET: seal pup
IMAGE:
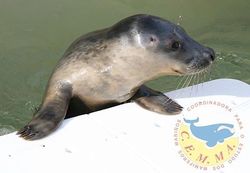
(109, 67)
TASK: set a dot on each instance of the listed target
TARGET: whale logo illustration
(212, 134)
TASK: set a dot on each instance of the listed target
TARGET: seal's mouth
(192, 69)
(192, 76)
(177, 71)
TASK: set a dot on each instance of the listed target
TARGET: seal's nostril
(212, 57)
(209, 53)
(212, 54)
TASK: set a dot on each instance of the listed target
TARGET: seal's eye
(175, 45)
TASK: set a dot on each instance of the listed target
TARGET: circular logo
(209, 135)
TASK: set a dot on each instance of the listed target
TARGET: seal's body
(110, 66)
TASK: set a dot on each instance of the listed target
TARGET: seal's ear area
(152, 40)
(148, 40)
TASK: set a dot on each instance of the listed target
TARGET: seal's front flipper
(50, 114)
(160, 104)
(156, 101)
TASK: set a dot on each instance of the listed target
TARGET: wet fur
(109, 67)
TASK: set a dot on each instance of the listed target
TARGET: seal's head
(165, 42)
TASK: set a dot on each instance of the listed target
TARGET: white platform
(127, 138)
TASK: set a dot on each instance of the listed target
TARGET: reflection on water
(34, 34)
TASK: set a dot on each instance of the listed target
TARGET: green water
(35, 33)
